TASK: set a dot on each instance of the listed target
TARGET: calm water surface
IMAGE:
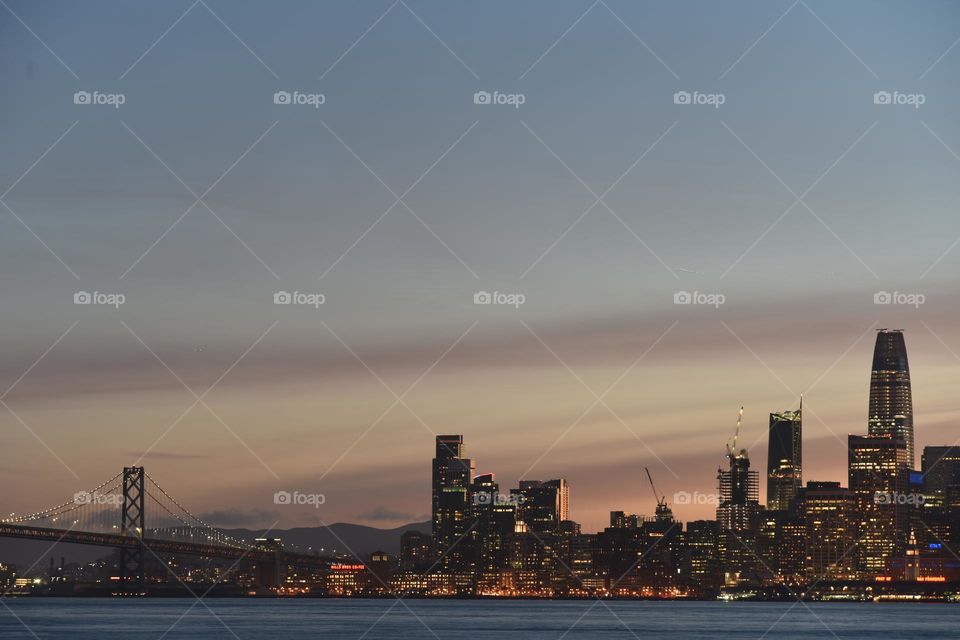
(101, 619)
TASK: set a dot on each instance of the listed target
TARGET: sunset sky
(597, 199)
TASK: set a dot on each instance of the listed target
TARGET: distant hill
(359, 539)
(345, 538)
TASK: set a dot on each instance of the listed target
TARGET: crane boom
(663, 512)
(732, 449)
(656, 496)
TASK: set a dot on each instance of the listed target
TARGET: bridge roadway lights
(132, 524)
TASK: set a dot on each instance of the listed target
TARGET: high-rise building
(831, 531)
(891, 400)
(780, 544)
(879, 478)
(452, 474)
(738, 516)
(543, 505)
(493, 519)
(700, 561)
(784, 458)
(941, 468)
(416, 551)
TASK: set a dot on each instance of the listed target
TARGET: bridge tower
(132, 524)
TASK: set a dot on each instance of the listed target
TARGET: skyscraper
(879, 474)
(831, 531)
(738, 514)
(452, 474)
(543, 505)
(941, 468)
(891, 400)
(493, 520)
(784, 458)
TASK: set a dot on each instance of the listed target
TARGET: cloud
(239, 517)
(166, 455)
(385, 513)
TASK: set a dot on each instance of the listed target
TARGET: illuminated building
(891, 400)
(347, 579)
(575, 556)
(830, 512)
(493, 518)
(700, 562)
(784, 458)
(781, 546)
(416, 551)
(533, 556)
(616, 553)
(941, 468)
(620, 520)
(543, 505)
(738, 516)
(452, 474)
(878, 476)
(8, 574)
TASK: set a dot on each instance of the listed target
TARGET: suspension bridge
(114, 514)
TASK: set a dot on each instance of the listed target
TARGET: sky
(587, 194)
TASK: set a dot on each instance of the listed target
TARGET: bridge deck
(159, 546)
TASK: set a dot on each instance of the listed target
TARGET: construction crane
(732, 448)
(663, 512)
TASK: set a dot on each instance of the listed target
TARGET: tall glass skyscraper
(784, 458)
(452, 474)
(891, 400)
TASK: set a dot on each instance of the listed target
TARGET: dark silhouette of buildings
(941, 468)
(784, 458)
(543, 505)
(452, 474)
